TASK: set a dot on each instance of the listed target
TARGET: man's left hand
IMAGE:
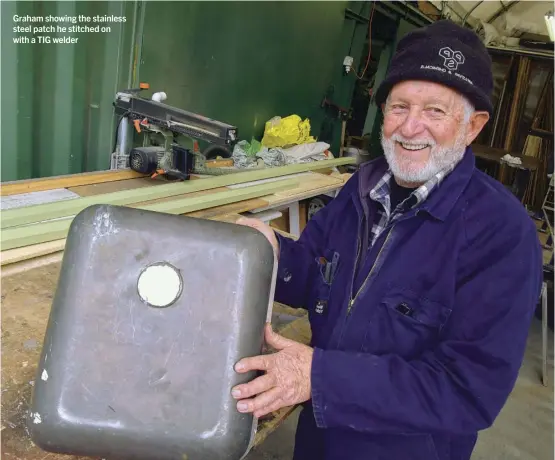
(286, 381)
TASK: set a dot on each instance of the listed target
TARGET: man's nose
(413, 124)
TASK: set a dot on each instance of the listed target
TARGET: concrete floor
(523, 430)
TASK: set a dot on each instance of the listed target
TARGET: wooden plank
(12, 256)
(35, 198)
(28, 256)
(495, 154)
(219, 163)
(115, 186)
(30, 214)
(30, 264)
(24, 258)
(72, 180)
(185, 205)
(303, 214)
(281, 223)
(17, 237)
(310, 182)
(19, 259)
(541, 133)
(278, 200)
(188, 195)
(521, 89)
(236, 208)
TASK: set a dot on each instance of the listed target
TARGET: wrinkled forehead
(420, 92)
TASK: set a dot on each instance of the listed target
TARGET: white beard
(410, 171)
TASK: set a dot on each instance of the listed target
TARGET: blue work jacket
(420, 351)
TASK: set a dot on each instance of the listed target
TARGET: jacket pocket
(318, 306)
(404, 323)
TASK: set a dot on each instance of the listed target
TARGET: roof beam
(470, 11)
(503, 9)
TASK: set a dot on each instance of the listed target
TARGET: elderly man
(420, 279)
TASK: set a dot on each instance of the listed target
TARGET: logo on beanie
(452, 59)
(451, 62)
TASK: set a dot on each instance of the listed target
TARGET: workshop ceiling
(510, 18)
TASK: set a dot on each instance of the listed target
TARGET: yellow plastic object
(286, 132)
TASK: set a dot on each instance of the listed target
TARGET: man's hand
(286, 381)
(266, 230)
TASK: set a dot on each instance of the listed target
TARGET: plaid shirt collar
(381, 192)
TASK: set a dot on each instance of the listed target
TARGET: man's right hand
(266, 230)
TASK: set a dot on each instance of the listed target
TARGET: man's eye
(398, 107)
(436, 111)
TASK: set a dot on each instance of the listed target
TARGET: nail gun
(161, 125)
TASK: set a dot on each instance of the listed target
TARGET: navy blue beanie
(444, 53)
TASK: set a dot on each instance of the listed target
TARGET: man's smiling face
(426, 129)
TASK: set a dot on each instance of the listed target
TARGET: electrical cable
(369, 44)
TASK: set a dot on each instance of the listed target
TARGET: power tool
(160, 126)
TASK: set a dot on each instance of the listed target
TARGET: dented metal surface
(118, 377)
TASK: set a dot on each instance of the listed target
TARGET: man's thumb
(247, 222)
(275, 340)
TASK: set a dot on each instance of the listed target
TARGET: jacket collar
(440, 203)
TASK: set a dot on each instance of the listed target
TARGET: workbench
(28, 287)
(495, 156)
(311, 184)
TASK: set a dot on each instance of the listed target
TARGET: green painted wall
(239, 62)
(242, 63)
(56, 98)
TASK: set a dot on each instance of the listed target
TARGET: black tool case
(150, 315)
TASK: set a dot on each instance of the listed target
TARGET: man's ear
(477, 122)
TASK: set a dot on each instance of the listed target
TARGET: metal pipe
(471, 10)
(122, 147)
(132, 51)
(446, 5)
(545, 337)
(520, 51)
(500, 11)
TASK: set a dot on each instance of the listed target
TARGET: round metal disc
(159, 285)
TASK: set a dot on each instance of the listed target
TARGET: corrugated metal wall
(56, 98)
(237, 62)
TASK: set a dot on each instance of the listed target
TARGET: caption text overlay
(61, 29)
